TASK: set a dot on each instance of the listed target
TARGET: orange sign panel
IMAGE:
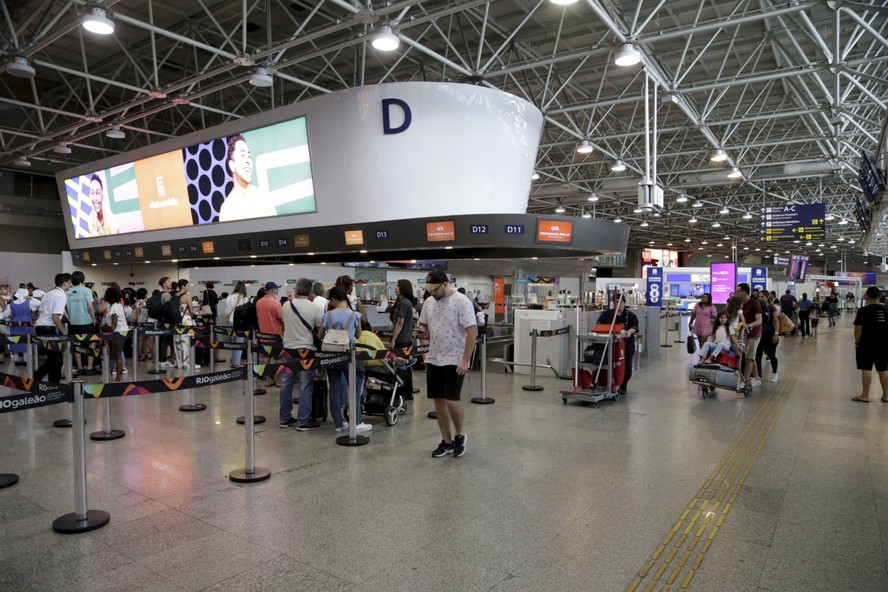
(354, 237)
(554, 231)
(208, 247)
(440, 231)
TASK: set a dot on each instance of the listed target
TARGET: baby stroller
(381, 384)
(724, 373)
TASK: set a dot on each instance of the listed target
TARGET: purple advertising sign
(722, 281)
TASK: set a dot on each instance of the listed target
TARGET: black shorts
(867, 357)
(815, 322)
(442, 382)
(81, 329)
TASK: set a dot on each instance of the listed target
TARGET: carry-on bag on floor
(319, 398)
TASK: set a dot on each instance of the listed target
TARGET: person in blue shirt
(805, 315)
(81, 318)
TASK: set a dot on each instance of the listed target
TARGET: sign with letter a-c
(655, 286)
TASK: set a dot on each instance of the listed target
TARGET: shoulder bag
(205, 309)
(314, 330)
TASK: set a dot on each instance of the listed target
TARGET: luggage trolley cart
(598, 374)
(725, 373)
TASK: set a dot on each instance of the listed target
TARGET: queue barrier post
(212, 350)
(157, 368)
(66, 422)
(250, 473)
(107, 433)
(483, 399)
(533, 386)
(192, 404)
(135, 335)
(352, 439)
(82, 519)
(29, 357)
(257, 419)
(253, 358)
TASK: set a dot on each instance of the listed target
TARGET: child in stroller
(381, 384)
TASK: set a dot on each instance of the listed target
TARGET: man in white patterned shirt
(448, 322)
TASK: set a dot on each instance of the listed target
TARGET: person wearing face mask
(448, 321)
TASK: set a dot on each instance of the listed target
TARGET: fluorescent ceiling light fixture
(734, 173)
(97, 22)
(385, 40)
(535, 176)
(692, 220)
(116, 132)
(747, 215)
(697, 204)
(644, 224)
(619, 166)
(719, 156)
(261, 78)
(22, 161)
(592, 197)
(19, 67)
(559, 209)
(61, 148)
(585, 147)
(681, 198)
(627, 55)
(724, 210)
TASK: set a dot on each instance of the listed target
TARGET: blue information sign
(654, 286)
(513, 229)
(759, 278)
(792, 223)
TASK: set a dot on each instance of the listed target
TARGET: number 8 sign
(655, 286)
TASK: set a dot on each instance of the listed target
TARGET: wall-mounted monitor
(722, 281)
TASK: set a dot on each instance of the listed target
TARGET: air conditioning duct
(794, 170)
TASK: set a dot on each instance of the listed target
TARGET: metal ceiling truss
(791, 91)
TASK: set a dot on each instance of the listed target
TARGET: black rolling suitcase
(319, 398)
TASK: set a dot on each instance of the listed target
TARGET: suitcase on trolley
(713, 376)
(618, 372)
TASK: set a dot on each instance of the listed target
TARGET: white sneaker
(124, 370)
(756, 382)
(775, 377)
(363, 427)
(344, 427)
(166, 364)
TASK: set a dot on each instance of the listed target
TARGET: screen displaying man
(101, 221)
(245, 200)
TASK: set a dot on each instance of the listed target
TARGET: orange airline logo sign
(440, 231)
(555, 231)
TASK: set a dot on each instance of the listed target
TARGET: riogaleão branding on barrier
(13, 403)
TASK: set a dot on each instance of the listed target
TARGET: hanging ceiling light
(116, 132)
(563, 2)
(723, 210)
(697, 204)
(747, 215)
(619, 166)
(592, 197)
(644, 224)
(22, 161)
(97, 22)
(61, 148)
(692, 220)
(584, 147)
(618, 219)
(385, 40)
(261, 78)
(534, 176)
(734, 173)
(587, 214)
(627, 55)
(719, 156)
(687, 239)
(681, 198)
(637, 210)
(829, 217)
(560, 209)
(843, 222)
(716, 224)
(19, 67)
(669, 244)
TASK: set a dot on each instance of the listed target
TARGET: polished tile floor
(549, 497)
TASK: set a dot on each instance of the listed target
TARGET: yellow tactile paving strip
(676, 560)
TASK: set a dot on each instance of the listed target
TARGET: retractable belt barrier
(534, 334)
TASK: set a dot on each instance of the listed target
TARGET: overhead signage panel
(792, 223)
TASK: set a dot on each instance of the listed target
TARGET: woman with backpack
(237, 298)
(341, 317)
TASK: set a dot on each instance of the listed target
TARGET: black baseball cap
(434, 280)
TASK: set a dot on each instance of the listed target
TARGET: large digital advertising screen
(260, 173)
(722, 281)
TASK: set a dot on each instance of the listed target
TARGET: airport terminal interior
(551, 157)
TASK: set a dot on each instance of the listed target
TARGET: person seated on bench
(720, 340)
